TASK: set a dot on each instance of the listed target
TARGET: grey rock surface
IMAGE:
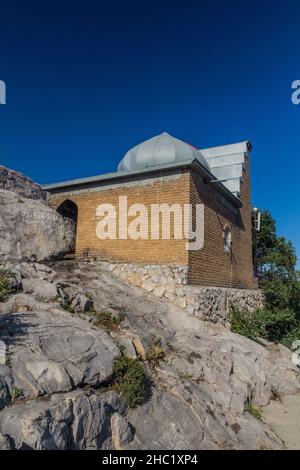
(4, 443)
(30, 230)
(200, 390)
(122, 433)
(4, 393)
(41, 290)
(184, 417)
(76, 420)
(20, 184)
(114, 401)
(207, 378)
(51, 351)
(127, 347)
(33, 270)
(81, 302)
(283, 417)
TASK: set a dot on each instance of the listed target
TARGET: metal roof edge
(115, 175)
(247, 142)
(219, 185)
(154, 169)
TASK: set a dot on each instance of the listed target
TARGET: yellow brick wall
(137, 251)
(209, 266)
(212, 265)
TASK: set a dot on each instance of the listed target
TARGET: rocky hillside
(64, 324)
(29, 229)
(20, 184)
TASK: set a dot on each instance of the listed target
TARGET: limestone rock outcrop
(30, 230)
(20, 184)
(201, 391)
(76, 420)
(51, 351)
(57, 360)
(4, 392)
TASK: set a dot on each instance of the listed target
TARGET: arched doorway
(69, 210)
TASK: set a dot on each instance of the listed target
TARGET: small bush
(66, 305)
(106, 320)
(277, 293)
(16, 394)
(246, 323)
(6, 284)
(130, 380)
(293, 335)
(278, 325)
(156, 354)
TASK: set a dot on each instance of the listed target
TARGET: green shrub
(66, 305)
(274, 325)
(249, 324)
(280, 281)
(156, 354)
(293, 335)
(278, 323)
(277, 293)
(130, 380)
(6, 284)
(16, 394)
(106, 320)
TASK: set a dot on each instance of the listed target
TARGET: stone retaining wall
(171, 283)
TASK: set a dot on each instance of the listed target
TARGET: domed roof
(160, 150)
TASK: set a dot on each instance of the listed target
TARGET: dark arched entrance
(69, 210)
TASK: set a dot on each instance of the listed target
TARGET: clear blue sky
(88, 80)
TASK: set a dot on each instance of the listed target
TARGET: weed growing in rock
(275, 394)
(253, 410)
(106, 320)
(156, 354)
(6, 284)
(16, 394)
(66, 305)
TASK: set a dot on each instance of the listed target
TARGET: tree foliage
(279, 320)
(276, 256)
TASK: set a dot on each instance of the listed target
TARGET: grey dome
(160, 150)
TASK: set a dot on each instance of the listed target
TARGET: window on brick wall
(227, 239)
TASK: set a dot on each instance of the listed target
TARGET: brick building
(165, 170)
